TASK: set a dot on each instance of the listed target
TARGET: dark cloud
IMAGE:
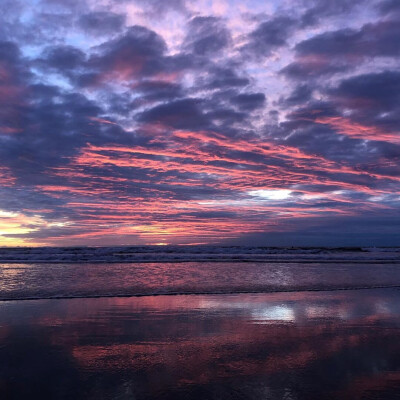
(138, 53)
(13, 92)
(373, 99)
(337, 51)
(300, 95)
(179, 114)
(73, 5)
(365, 230)
(62, 58)
(269, 35)
(380, 39)
(248, 101)
(226, 115)
(10, 54)
(357, 124)
(389, 6)
(317, 10)
(49, 126)
(154, 90)
(379, 91)
(101, 22)
(221, 78)
(138, 41)
(310, 68)
(157, 9)
(212, 214)
(206, 35)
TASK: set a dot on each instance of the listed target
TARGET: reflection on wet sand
(336, 345)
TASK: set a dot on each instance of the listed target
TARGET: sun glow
(280, 194)
(15, 227)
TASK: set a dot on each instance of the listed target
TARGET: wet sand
(304, 345)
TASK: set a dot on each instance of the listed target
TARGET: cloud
(62, 59)
(156, 9)
(206, 35)
(318, 10)
(102, 121)
(378, 39)
(389, 7)
(74, 5)
(224, 77)
(100, 22)
(178, 114)
(337, 51)
(300, 95)
(269, 35)
(248, 101)
(136, 53)
(378, 91)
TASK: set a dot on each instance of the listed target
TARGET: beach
(276, 329)
(300, 345)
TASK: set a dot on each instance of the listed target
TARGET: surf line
(198, 293)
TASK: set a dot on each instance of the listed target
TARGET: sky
(224, 122)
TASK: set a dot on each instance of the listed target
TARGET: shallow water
(18, 281)
(323, 345)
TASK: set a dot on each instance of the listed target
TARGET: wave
(154, 254)
(199, 292)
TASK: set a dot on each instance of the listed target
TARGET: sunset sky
(257, 122)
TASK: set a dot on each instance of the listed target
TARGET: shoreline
(204, 293)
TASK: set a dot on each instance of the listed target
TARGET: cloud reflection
(182, 346)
